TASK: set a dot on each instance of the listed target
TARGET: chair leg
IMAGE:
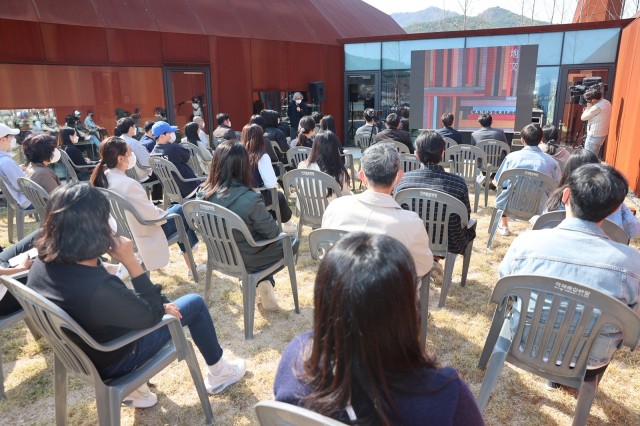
(248, 304)
(207, 283)
(495, 365)
(585, 400)
(495, 220)
(466, 260)
(487, 183)
(20, 224)
(192, 262)
(196, 375)
(299, 235)
(424, 308)
(60, 391)
(492, 336)
(288, 257)
(108, 403)
(477, 198)
(2, 395)
(10, 214)
(449, 263)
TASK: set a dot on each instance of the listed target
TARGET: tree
(465, 5)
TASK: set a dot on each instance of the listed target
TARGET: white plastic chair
(496, 151)
(467, 161)
(13, 209)
(552, 219)
(297, 154)
(275, 413)
(36, 194)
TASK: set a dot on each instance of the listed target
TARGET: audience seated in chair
(262, 173)
(230, 185)
(260, 121)
(325, 157)
(362, 361)
(271, 130)
(548, 145)
(8, 303)
(579, 250)
(147, 140)
(623, 217)
(40, 150)
(430, 149)
(487, 132)
(376, 211)
(394, 132)
(306, 131)
(529, 157)
(369, 127)
(69, 273)
(9, 169)
(68, 139)
(448, 130)
(191, 136)
(224, 129)
(115, 158)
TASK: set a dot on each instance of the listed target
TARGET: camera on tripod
(578, 90)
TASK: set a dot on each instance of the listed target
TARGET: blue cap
(161, 127)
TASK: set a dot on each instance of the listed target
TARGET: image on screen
(472, 81)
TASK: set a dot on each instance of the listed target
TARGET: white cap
(77, 113)
(6, 130)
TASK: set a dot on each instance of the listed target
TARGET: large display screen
(471, 81)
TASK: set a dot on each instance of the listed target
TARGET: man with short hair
(296, 110)
(147, 140)
(487, 132)
(92, 127)
(530, 157)
(202, 135)
(317, 117)
(597, 114)
(165, 135)
(430, 149)
(9, 169)
(224, 129)
(393, 132)
(579, 250)
(376, 211)
(448, 131)
(369, 127)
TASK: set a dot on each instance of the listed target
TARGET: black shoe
(552, 385)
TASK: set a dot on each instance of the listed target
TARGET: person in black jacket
(165, 147)
(229, 185)
(68, 138)
(68, 272)
(271, 131)
(296, 110)
(394, 133)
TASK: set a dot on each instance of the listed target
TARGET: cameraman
(597, 114)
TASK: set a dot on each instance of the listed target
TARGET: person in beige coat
(115, 158)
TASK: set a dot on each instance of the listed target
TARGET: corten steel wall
(622, 144)
(597, 10)
(239, 66)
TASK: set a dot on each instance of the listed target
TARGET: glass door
(574, 81)
(361, 90)
(187, 92)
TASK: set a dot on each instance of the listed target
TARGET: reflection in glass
(397, 54)
(395, 91)
(590, 46)
(362, 56)
(361, 94)
(545, 92)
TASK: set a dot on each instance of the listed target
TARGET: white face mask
(55, 157)
(131, 161)
(14, 143)
(172, 137)
(298, 101)
(113, 225)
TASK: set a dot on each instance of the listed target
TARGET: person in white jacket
(597, 114)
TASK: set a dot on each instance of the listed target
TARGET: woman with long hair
(328, 123)
(363, 362)
(551, 147)
(229, 184)
(110, 173)
(325, 157)
(622, 217)
(40, 150)
(69, 273)
(271, 130)
(262, 173)
(68, 138)
(306, 130)
(191, 136)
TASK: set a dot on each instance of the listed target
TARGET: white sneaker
(267, 296)
(290, 227)
(201, 268)
(227, 374)
(504, 231)
(141, 398)
(437, 273)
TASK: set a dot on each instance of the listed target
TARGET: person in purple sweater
(363, 362)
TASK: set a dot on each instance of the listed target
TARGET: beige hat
(6, 130)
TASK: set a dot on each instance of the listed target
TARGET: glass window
(499, 40)
(395, 91)
(590, 46)
(397, 54)
(549, 47)
(362, 56)
(545, 91)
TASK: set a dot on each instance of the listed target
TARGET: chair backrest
(166, 170)
(36, 194)
(297, 154)
(364, 140)
(7, 194)
(495, 150)
(278, 151)
(215, 225)
(449, 142)
(312, 190)
(557, 343)
(194, 158)
(274, 413)
(527, 189)
(434, 208)
(465, 161)
(321, 240)
(409, 162)
(402, 148)
(122, 212)
(552, 219)
(72, 176)
(54, 324)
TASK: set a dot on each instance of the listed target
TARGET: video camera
(578, 90)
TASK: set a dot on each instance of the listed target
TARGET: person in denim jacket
(578, 250)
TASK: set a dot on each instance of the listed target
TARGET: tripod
(351, 133)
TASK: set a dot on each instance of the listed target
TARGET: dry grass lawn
(456, 335)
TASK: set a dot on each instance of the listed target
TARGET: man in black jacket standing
(297, 109)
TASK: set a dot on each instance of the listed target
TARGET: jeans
(594, 143)
(195, 315)
(94, 140)
(170, 228)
